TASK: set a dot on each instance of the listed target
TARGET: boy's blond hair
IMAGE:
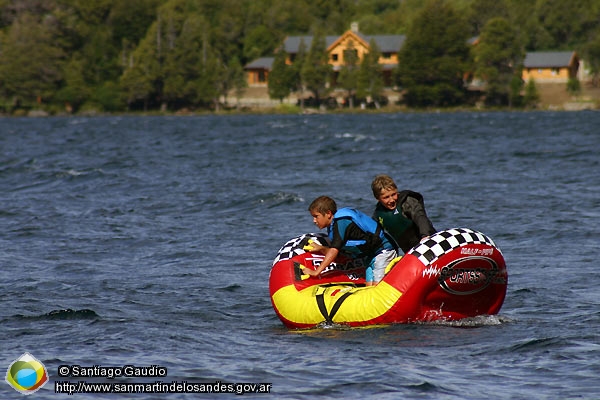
(380, 183)
(322, 204)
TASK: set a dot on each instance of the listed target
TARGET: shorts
(376, 269)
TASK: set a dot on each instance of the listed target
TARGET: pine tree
(280, 83)
(498, 57)
(370, 79)
(574, 86)
(316, 71)
(532, 96)
(296, 71)
(435, 57)
(31, 63)
(591, 52)
(348, 77)
(142, 79)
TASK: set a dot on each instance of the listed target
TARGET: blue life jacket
(375, 233)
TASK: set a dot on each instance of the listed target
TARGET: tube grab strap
(336, 306)
(303, 307)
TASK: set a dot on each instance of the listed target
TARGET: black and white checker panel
(445, 241)
(294, 247)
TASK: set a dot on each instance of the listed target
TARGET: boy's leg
(369, 276)
(380, 262)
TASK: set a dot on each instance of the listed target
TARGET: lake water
(148, 241)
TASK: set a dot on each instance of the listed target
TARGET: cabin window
(334, 57)
(386, 55)
(261, 76)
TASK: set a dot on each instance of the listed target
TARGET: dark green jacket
(408, 223)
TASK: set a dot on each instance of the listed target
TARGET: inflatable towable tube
(454, 274)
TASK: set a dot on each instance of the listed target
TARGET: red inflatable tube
(454, 274)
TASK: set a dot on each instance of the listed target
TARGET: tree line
(113, 55)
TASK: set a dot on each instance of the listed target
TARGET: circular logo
(468, 275)
(26, 374)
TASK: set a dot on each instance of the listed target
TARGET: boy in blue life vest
(354, 233)
(402, 214)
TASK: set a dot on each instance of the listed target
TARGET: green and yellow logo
(26, 374)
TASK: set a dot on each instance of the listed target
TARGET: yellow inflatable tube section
(335, 303)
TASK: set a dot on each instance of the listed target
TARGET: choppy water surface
(148, 241)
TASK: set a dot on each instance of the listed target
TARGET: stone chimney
(354, 27)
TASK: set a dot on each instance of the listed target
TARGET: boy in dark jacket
(402, 214)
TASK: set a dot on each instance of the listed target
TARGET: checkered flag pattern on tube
(445, 241)
(294, 247)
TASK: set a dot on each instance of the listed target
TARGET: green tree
(259, 42)
(226, 26)
(498, 57)
(481, 11)
(175, 64)
(213, 74)
(569, 23)
(282, 17)
(142, 80)
(280, 83)
(370, 78)
(11, 10)
(76, 91)
(296, 71)
(101, 67)
(107, 97)
(435, 57)
(591, 52)
(316, 72)
(574, 86)
(333, 14)
(348, 77)
(31, 63)
(522, 15)
(129, 20)
(516, 88)
(532, 96)
(183, 63)
(137, 85)
(94, 36)
(234, 79)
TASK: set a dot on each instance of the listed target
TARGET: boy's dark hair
(322, 204)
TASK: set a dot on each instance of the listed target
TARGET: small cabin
(550, 66)
(257, 72)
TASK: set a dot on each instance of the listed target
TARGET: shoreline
(275, 111)
(570, 107)
(552, 97)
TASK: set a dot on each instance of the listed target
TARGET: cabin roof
(292, 43)
(261, 63)
(386, 43)
(548, 59)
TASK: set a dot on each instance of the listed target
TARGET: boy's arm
(415, 210)
(315, 247)
(330, 256)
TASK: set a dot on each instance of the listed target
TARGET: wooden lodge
(543, 67)
(337, 49)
